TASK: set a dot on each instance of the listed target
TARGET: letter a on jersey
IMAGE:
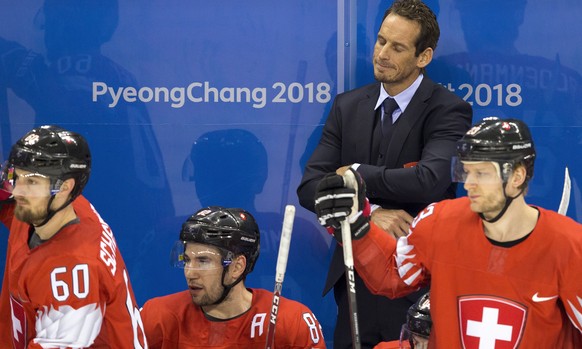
(490, 322)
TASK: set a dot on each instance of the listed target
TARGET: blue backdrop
(194, 103)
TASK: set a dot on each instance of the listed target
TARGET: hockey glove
(343, 197)
(6, 184)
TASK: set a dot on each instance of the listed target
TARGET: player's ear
(67, 186)
(238, 266)
(519, 176)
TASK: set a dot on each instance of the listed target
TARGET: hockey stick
(563, 209)
(280, 271)
(350, 180)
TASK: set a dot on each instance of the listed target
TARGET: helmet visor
(29, 184)
(409, 339)
(480, 172)
(194, 256)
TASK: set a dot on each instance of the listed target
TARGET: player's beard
(491, 205)
(29, 215)
(209, 296)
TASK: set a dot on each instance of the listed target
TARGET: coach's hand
(339, 197)
(394, 222)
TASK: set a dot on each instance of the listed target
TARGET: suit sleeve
(326, 158)
(448, 118)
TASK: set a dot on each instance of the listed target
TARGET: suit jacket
(416, 167)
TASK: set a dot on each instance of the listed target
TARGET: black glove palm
(338, 198)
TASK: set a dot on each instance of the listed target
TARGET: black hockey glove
(343, 197)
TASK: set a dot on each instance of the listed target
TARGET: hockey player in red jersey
(503, 274)
(65, 283)
(218, 247)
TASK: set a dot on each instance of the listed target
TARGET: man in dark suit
(399, 134)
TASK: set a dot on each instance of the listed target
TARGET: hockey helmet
(416, 331)
(56, 153)
(418, 317)
(507, 142)
(230, 229)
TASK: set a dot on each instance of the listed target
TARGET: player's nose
(191, 273)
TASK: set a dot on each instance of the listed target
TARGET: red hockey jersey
(173, 322)
(71, 291)
(482, 295)
(392, 345)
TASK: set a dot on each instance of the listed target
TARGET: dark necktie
(390, 106)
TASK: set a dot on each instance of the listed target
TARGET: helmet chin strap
(50, 213)
(227, 288)
(508, 201)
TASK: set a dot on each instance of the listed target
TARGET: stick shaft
(350, 181)
(283, 256)
(351, 282)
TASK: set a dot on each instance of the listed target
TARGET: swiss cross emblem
(491, 322)
(18, 324)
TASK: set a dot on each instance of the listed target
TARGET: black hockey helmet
(56, 153)
(231, 229)
(416, 331)
(418, 318)
(507, 142)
